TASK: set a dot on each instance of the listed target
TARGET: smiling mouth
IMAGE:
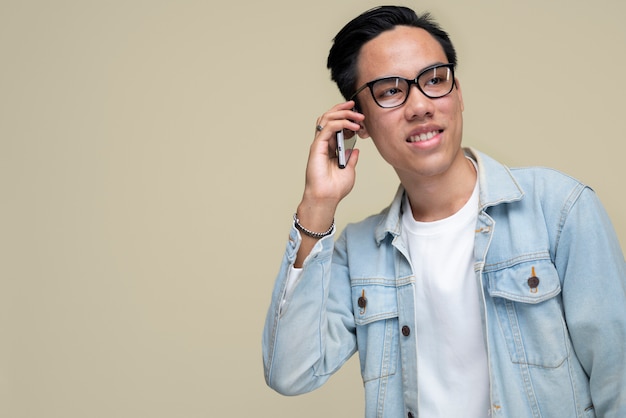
(423, 136)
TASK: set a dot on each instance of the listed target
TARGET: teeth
(423, 137)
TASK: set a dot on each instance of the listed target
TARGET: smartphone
(346, 140)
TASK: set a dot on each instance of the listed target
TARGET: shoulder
(501, 183)
(378, 226)
(367, 226)
(544, 178)
(548, 185)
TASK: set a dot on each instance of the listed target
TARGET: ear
(459, 93)
(362, 132)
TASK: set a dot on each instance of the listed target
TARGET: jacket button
(533, 282)
(362, 302)
(406, 331)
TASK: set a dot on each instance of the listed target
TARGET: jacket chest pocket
(527, 301)
(376, 318)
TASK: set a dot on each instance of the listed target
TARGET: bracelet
(310, 233)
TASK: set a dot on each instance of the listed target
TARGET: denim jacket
(553, 281)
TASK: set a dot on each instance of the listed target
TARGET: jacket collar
(496, 185)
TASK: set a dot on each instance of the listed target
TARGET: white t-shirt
(452, 366)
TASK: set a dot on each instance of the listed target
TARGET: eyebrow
(416, 74)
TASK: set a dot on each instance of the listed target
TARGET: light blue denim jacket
(553, 282)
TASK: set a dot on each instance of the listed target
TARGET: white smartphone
(345, 144)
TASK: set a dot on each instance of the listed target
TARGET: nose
(417, 105)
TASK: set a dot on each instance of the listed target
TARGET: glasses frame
(410, 82)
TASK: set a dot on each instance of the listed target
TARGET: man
(480, 291)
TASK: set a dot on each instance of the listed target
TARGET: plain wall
(152, 154)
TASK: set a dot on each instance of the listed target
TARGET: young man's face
(405, 52)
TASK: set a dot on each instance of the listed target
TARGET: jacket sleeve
(310, 333)
(591, 264)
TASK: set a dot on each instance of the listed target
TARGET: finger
(341, 111)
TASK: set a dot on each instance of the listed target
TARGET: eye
(434, 81)
(390, 92)
(389, 88)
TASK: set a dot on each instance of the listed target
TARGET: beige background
(152, 154)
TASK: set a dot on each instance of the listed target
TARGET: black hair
(342, 58)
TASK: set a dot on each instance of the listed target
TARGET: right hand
(326, 184)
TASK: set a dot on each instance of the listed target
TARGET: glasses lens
(390, 92)
(436, 82)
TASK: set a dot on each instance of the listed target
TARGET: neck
(439, 196)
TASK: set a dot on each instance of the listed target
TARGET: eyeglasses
(434, 82)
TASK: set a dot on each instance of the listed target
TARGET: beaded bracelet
(309, 233)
